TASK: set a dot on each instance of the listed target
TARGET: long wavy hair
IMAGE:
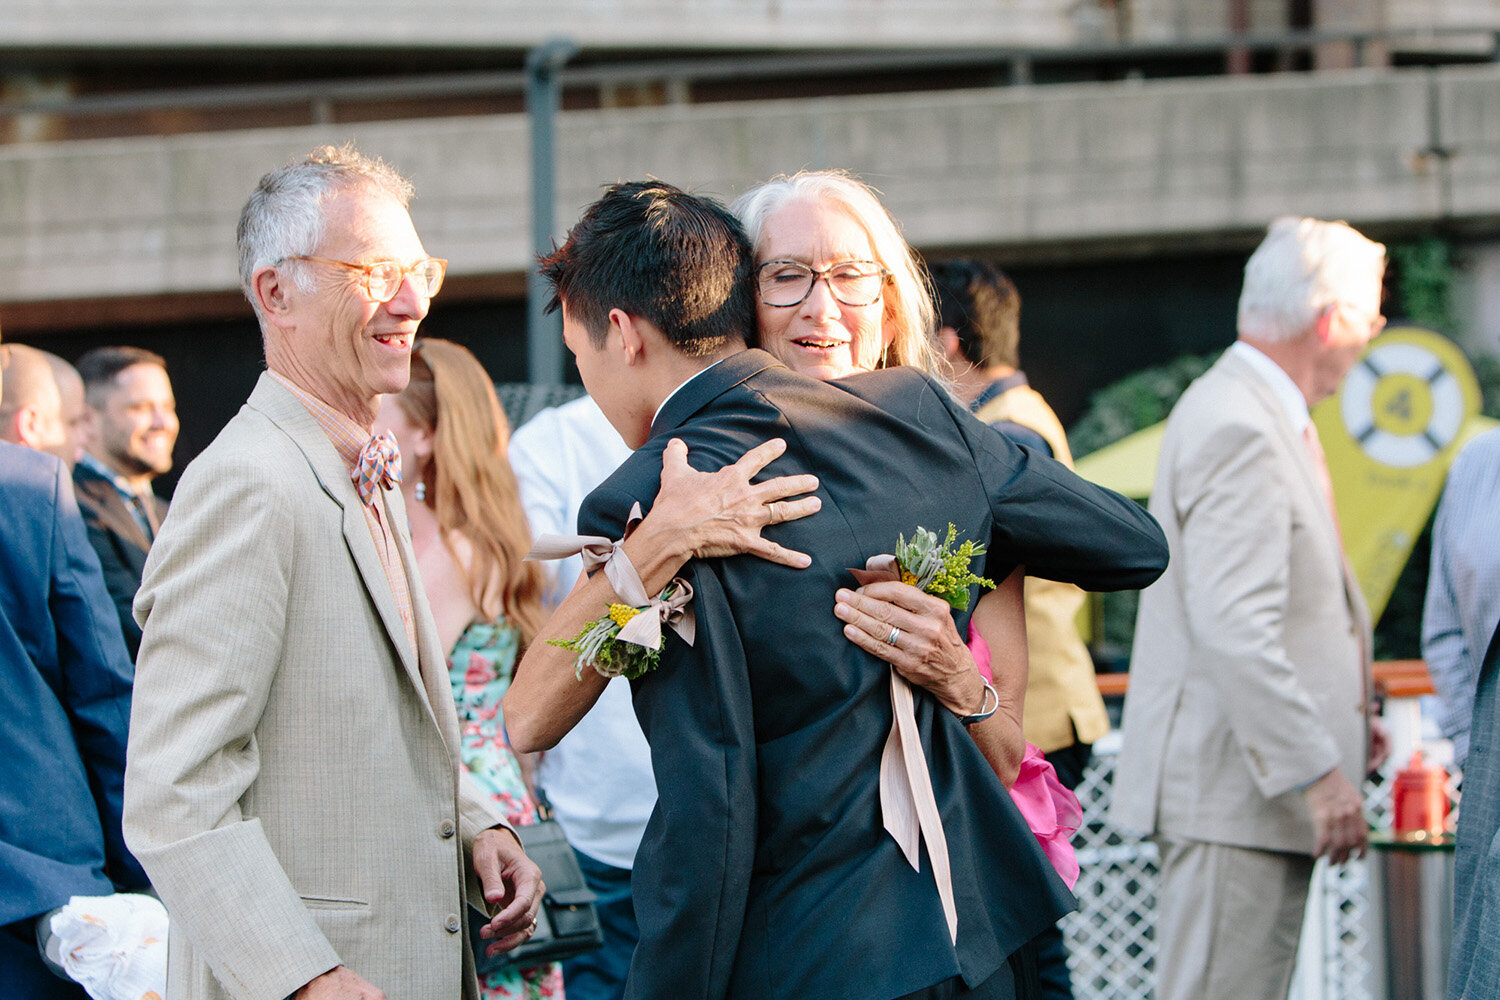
(469, 482)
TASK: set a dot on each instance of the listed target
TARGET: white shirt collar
(1282, 387)
(675, 391)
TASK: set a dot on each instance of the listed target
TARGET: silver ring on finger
(771, 509)
(894, 637)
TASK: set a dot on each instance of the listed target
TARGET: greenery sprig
(940, 569)
(598, 647)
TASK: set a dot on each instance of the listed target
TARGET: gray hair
(1302, 267)
(284, 214)
(909, 314)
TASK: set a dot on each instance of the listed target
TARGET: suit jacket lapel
(288, 413)
(708, 385)
(113, 513)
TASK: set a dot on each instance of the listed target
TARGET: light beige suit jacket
(1250, 671)
(293, 781)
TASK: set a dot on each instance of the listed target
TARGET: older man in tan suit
(1245, 736)
(293, 786)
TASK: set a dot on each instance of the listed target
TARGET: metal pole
(544, 346)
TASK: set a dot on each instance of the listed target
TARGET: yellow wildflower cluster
(937, 568)
(622, 613)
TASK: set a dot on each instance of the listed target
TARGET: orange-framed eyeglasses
(383, 278)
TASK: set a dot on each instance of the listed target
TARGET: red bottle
(1420, 798)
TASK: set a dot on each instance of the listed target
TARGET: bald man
(65, 687)
(31, 410)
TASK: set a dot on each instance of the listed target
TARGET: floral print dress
(480, 669)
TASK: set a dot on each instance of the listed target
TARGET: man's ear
(25, 428)
(631, 334)
(270, 286)
(10, 428)
(1323, 327)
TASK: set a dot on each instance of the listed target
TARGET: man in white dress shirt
(598, 778)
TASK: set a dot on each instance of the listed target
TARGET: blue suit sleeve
(691, 878)
(97, 674)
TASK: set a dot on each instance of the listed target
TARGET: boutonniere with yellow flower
(931, 566)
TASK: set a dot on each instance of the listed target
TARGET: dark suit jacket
(118, 541)
(765, 870)
(65, 682)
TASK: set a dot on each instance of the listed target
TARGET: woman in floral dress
(470, 536)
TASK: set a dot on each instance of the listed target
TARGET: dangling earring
(421, 491)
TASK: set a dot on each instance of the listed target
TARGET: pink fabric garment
(1049, 808)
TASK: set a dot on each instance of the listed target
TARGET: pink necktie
(1320, 469)
(379, 467)
(1325, 480)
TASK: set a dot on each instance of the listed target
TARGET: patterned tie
(379, 467)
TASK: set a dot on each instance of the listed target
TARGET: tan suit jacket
(1250, 671)
(293, 782)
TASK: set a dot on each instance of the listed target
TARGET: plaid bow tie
(379, 466)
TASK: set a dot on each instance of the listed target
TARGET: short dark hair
(981, 304)
(99, 367)
(679, 260)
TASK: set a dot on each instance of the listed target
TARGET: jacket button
(446, 829)
(452, 924)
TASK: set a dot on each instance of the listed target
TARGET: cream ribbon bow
(645, 628)
(908, 804)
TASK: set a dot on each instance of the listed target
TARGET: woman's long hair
(469, 482)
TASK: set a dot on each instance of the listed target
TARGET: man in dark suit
(66, 705)
(765, 870)
(133, 417)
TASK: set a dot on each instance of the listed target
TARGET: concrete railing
(517, 24)
(684, 25)
(1170, 163)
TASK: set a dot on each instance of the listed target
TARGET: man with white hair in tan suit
(1245, 730)
(293, 785)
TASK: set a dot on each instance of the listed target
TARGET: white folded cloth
(115, 947)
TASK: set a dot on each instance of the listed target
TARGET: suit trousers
(1228, 920)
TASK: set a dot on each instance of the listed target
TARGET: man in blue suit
(65, 682)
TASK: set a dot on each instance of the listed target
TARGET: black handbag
(567, 924)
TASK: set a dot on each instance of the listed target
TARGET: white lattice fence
(1111, 937)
